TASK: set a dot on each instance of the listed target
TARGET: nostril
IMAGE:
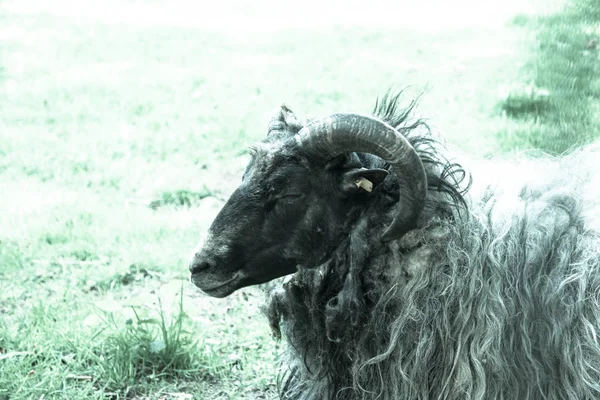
(199, 266)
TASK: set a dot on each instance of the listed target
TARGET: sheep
(407, 279)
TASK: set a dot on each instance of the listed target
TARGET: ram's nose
(200, 264)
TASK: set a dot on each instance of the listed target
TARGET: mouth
(219, 290)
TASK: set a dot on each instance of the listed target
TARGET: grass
(179, 198)
(153, 349)
(121, 135)
(109, 349)
(560, 109)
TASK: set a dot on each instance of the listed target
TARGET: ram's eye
(287, 198)
(290, 196)
(282, 200)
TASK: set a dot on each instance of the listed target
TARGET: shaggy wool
(495, 295)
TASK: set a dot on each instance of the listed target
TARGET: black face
(285, 213)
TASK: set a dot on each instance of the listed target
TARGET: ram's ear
(283, 123)
(362, 180)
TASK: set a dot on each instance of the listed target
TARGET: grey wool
(495, 295)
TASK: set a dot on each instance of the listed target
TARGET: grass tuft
(180, 198)
(525, 101)
(145, 350)
(134, 273)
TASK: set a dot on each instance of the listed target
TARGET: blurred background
(124, 126)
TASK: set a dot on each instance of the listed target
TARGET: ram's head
(306, 185)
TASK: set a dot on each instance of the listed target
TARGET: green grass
(152, 349)
(180, 198)
(107, 346)
(120, 140)
(560, 109)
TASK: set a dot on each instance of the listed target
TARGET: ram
(409, 279)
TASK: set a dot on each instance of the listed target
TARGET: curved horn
(326, 138)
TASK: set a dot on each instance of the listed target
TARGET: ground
(124, 127)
